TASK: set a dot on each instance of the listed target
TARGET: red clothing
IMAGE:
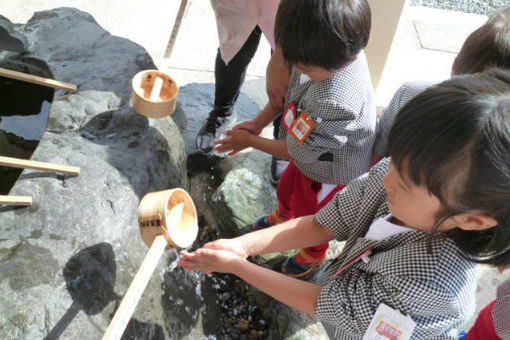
(298, 196)
(483, 329)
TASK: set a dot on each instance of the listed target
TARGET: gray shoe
(212, 129)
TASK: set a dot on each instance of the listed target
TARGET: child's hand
(209, 260)
(235, 141)
(230, 245)
(501, 269)
(249, 126)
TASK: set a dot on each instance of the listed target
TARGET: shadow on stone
(145, 153)
(198, 162)
(90, 279)
(42, 174)
(6, 208)
(143, 330)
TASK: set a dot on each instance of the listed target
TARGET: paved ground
(424, 48)
(469, 6)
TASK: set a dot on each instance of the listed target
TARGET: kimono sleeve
(403, 95)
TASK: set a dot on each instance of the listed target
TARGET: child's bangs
(430, 140)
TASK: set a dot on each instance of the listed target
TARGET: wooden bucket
(153, 213)
(154, 93)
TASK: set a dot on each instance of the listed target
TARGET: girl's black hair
(454, 138)
(488, 46)
(323, 33)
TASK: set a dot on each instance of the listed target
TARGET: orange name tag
(302, 127)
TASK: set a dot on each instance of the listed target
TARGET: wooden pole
(29, 78)
(28, 164)
(175, 30)
(142, 277)
(15, 200)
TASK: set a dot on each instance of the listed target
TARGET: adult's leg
(228, 81)
(229, 78)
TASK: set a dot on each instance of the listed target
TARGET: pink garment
(236, 19)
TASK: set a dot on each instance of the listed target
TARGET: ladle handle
(142, 277)
(156, 89)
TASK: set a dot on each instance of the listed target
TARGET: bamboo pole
(15, 200)
(142, 277)
(175, 30)
(29, 164)
(29, 78)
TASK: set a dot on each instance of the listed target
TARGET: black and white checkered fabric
(501, 311)
(403, 95)
(343, 110)
(436, 290)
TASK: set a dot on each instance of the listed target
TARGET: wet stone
(225, 296)
(244, 324)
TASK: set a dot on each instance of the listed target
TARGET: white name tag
(289, 116)
(389, 324)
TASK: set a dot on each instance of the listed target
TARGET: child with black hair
(330, 112)
(488, 46)
(417, 220)
(493, 322)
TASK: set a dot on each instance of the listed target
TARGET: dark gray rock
(9, 39)
(67, 260)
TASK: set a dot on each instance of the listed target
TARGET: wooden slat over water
(28, 164)
(29, 78)
(15, 200)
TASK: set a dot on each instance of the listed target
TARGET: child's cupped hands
(228, 244)
(235, 141)
(210, 260)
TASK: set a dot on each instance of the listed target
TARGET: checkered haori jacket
(501, 311)
(343, 110)
(436, 290)
(403, 95)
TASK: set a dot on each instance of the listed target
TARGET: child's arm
(237, 140)
(297, 233)
(293, 292)
(277, 79)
